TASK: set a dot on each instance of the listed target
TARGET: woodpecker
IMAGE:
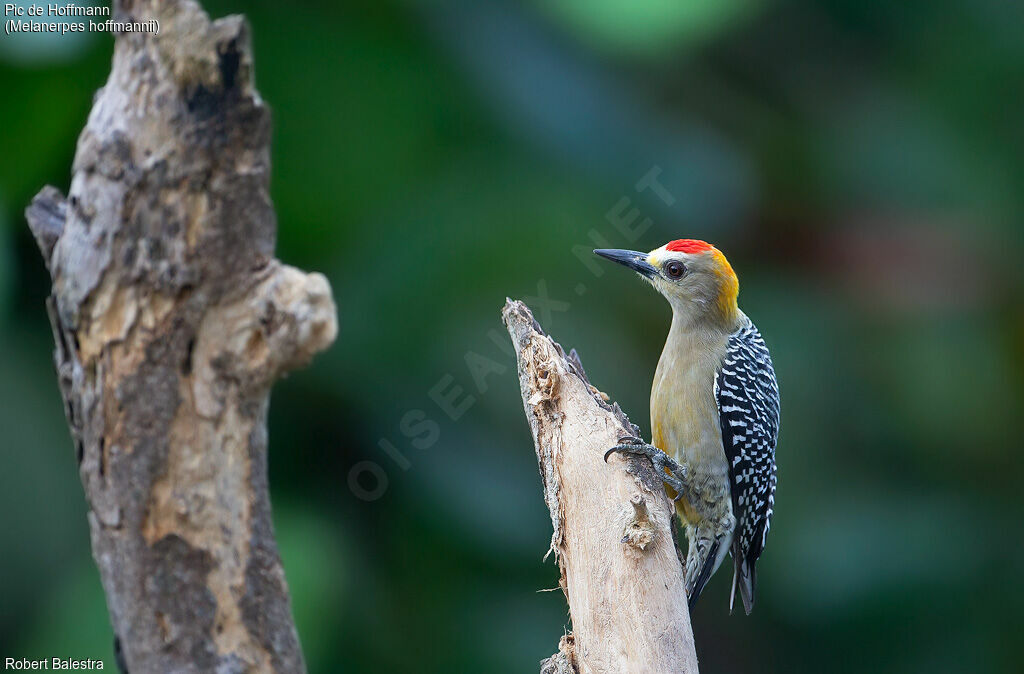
(714, 413)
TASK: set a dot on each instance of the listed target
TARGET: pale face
(691, 282)
(700, 285)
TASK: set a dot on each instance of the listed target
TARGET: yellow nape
(729, 289)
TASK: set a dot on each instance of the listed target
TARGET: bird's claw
(676, 473)
(624, 444)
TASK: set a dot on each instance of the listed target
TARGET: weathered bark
(612, 521)
(172, 320)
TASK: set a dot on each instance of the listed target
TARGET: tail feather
(706, 569)
(735, 580)
(745, 576)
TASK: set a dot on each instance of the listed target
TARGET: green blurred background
(861, 163)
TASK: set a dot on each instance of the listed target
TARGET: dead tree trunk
(172, 320)
(612, 521)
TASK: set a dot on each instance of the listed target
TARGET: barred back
(748, 404)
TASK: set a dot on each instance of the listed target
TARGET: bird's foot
(671, 472)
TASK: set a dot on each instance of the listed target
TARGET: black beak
(635, 260)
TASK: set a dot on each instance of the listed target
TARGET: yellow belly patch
(683, 507)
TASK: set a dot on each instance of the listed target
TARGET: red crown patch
(688, 246)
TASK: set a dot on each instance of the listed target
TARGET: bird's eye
(675, 269)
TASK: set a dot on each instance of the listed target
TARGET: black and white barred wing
(748, 402)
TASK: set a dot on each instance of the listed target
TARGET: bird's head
(694, 277)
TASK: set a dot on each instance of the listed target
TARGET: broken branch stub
(172, 320)
(612, 522)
